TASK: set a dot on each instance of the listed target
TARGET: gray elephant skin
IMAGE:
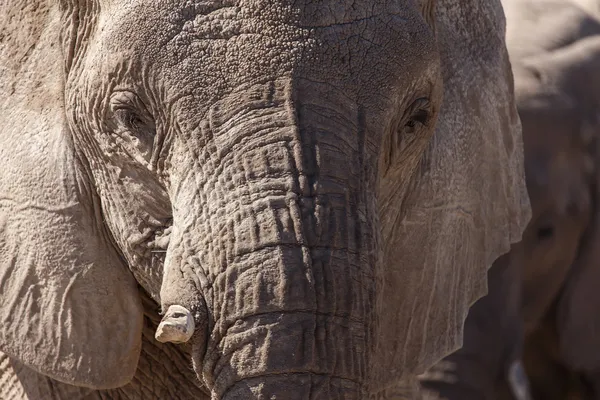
(248, 199)
(539, 321)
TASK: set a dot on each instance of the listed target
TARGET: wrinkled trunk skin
(282, 251)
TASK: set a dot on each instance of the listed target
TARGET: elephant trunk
(285, 249)
(295, 386)
(294, 319)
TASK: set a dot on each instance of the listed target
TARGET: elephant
(248, 199)
(534, 335)
(590, 6)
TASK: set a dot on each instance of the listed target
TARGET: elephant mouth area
(158, 240)
(154, 240)
(152, 243)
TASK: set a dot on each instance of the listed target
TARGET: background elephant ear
(69, 308)
(468, 202)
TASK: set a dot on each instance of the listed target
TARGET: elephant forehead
(302, 13)
(227, 44)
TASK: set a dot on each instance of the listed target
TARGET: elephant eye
(417, 118)
(410, 132)
(133, 124)
(129, 119)
(420, 117)
(545, 232)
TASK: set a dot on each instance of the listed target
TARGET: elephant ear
(468, 202)
(69, 308)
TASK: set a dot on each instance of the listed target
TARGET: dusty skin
(541, 316)
(319, 187)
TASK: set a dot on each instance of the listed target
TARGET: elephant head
(558, 100)
(558, 104)
(265, 171)
(557, 85)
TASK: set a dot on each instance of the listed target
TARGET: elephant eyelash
(420, 114)
(134, 121)
(129, 113)
(131, 120)
(419, 117)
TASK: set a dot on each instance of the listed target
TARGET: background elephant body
(264, 174)
(541, 306)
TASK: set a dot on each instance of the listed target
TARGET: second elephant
(540, 318)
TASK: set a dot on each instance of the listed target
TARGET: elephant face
(534, 330)
(258, 168)
(558, 104)
(241, 115)
(558, 108)
(559, 170)
(257, 142)
(538, 321)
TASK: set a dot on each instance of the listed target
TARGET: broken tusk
(177, 326)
